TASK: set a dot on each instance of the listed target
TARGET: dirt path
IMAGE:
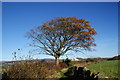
(64, 69)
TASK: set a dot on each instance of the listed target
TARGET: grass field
(62, 73)
(106, 68)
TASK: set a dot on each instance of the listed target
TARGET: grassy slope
(106, 68)
(62, 73)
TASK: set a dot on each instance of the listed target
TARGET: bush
(67, 62)
(63, 65)
(30, 69)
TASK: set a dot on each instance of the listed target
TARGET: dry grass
(31, 69)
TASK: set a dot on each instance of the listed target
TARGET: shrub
(63, 65)
(30, 69)
(60, 66)
(67, 62)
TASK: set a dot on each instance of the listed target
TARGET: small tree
(60, 35)
(67, 61)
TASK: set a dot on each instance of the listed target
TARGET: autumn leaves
(70, 26)
(79, 29)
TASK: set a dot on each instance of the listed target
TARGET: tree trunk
(57, 60)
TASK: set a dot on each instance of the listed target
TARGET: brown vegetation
(31, 69)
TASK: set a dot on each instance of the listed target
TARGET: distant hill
(115, 58)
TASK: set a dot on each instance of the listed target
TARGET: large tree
(59, 35)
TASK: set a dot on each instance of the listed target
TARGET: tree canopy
(59, 35)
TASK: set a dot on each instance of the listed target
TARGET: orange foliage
(91, 29)
(78, 26)
(85, 45)
(50, 27)
(76, 35)
(81, 26)
(68, 17)
(94, 32)
(94, 44)
(72, 26)
(87, 22)
(82, 21)
(85, 32)
(89, 35)
(86, 25)
(90, 32)
(89, 43)
(89, 38)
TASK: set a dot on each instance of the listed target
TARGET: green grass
(0, 70)
(106, 68)
(62, 73)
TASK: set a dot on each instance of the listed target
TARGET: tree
(60, 35)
